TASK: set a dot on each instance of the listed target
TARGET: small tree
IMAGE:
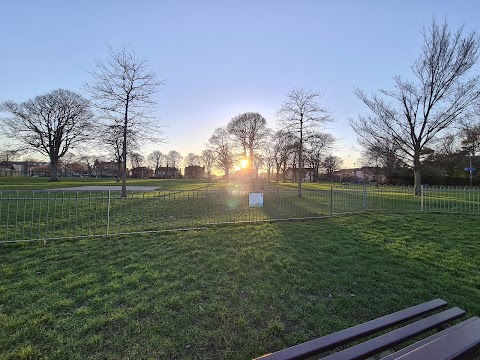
(136, 159)
(222, 147)
(156, 159)
(208, 157)
(298, 115)
(192, 160)
(51, 124)
(331, 164)
(123, 89)
(317, 145)
(173, 159)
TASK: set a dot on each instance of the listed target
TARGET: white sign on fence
(255, 200)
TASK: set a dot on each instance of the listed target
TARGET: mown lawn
(232, 292)
(42, 183)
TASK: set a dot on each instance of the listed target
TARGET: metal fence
(44, 215)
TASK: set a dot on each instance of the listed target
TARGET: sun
(244, 163)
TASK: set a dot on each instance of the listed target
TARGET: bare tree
(173, 159)
(470, 135)
(123, 89)
(318, 144)
(136, 159)
(208, 157)
(300, 114)
(67, 161)
(382, 153)
(89, 162)
(222, 147)
(9, 153)
(416, 112)
(51, 124)
(282, 143)
(249, 130)
(156, 159)
(192, 160)
(331, 164)
(110, 138)
(267, 152)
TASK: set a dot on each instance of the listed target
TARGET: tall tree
(122, 89)
(51, 124)
(416, 112)
(221, 145)
(248, 130)
(300, 114)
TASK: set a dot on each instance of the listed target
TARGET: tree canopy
(52, 124)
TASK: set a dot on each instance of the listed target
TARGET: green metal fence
(44, 215)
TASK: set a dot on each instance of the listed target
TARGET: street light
(470, 169)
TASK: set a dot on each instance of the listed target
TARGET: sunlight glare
(243, 163)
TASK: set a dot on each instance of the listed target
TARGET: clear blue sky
(223, 58)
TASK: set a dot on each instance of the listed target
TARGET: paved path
(108, 188)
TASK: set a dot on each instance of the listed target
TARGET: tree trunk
(119, 171)
(417, 176)
(124, 153)
(53, 170)
(300, 160)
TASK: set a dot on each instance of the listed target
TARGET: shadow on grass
(230, 292)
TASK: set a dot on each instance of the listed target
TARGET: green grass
(229, 292)
(41, 183)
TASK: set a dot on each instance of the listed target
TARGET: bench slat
(463, 341)
(407, 349)
(388, 340)
(328, 342)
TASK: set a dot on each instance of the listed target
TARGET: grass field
(41, 183)
(229, 292)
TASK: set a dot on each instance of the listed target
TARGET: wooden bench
(450, 342)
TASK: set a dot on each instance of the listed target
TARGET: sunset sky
(223, 58)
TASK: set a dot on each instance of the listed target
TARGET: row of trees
(118, 114)
(404, 125)
(298, 141)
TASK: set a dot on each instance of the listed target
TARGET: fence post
(276, 205)
(331, 201)
(108, 213)
(365, 197)
(421, 198)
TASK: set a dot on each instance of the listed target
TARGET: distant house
(141, 172)
(363, 174)
(168, 173)
(105, 169)
(308, 174)
(195, 172)
(6, 168)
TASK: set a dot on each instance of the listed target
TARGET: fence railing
(36, 215)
